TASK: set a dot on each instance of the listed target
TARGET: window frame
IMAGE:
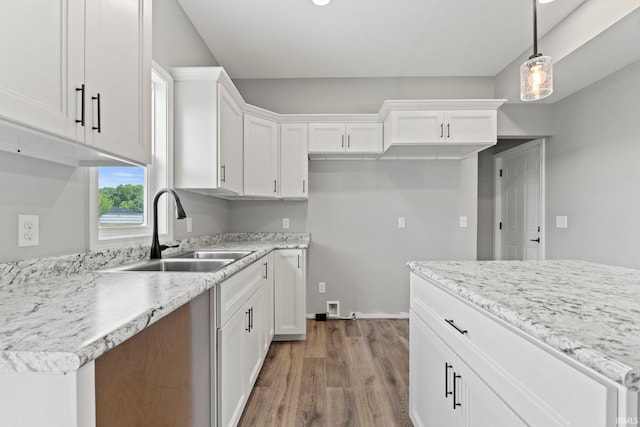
(155, 178)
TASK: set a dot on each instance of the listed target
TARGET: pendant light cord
(535, 29)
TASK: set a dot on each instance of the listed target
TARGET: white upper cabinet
(294, 161)
(208, 131)
(439, 129)
(118, 77)
(42, 43)
(332, 138)
(260, 157)
(80, 71)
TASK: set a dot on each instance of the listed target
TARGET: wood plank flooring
(347, 373)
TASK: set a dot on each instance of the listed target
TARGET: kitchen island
(57, 317)
(558, 342)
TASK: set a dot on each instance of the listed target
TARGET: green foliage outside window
(128, 196)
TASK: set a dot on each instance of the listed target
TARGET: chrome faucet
(156, 247)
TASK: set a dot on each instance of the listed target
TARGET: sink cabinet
(242, 338)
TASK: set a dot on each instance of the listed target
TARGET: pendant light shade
(536, 74)
(536, 78)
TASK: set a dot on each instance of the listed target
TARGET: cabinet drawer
(235, 291)
(535, 380)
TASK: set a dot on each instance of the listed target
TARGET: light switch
(561, 222)
(285, 222)
(401, 223)
(463, 221)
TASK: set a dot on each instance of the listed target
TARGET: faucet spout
(156, 247)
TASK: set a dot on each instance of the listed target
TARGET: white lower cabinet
(242, 318)
(467, 368)
(290, 293)
(444, 391)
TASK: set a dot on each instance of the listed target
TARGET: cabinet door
(229, 142)
(254, 338)
(479, 405)
(470, 126)
(118, 77)
(43, 46)
(416, 127)
(290, 292)
(364, 137)
(232, 371)
(294, 160)
(260, 157)
(430, 377)
(327, 138)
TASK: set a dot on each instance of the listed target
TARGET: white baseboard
(359, 315)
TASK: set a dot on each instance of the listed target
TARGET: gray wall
(352, 213)
(593, 172)
(58, 193)
(357, 95)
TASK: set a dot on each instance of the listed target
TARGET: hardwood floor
(347, 373)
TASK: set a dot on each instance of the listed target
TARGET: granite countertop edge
(612, 369)
(195, 284)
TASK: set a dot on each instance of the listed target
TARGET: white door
(430, 377)
(118, 77)
(290, 295)
(520, 219)
(364, 137)
(327, 137)
(42, 43)
(260, 157)
(294, 160)
(230, 161)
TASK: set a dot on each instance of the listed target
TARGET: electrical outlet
(189, 224)
(463, 221)
(401, 223)
(285, 222)
(28, 230)
(322, 287)
(562, 222)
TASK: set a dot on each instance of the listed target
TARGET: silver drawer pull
(462, 331)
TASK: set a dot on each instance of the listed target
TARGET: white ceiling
(369, 38)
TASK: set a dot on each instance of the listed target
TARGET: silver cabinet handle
(342, 145)
(248, 313)
(304, 185)
(298, 261)
(441, 130)
(349, 141)
(275, 185)
(448, 130)
(223, 172)
(266, 270)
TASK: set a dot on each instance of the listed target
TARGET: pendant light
(321, 2)
(536, 74)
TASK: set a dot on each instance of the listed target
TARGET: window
(121, 196)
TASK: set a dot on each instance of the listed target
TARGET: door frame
(497, 195)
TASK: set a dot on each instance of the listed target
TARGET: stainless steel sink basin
(212, 254)
(175, 264)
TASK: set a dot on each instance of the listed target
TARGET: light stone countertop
(56, 315)
(590, 312)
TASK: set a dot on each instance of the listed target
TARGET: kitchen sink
(212, 254)
(175, 264)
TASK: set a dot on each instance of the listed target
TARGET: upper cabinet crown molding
(439, 104)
